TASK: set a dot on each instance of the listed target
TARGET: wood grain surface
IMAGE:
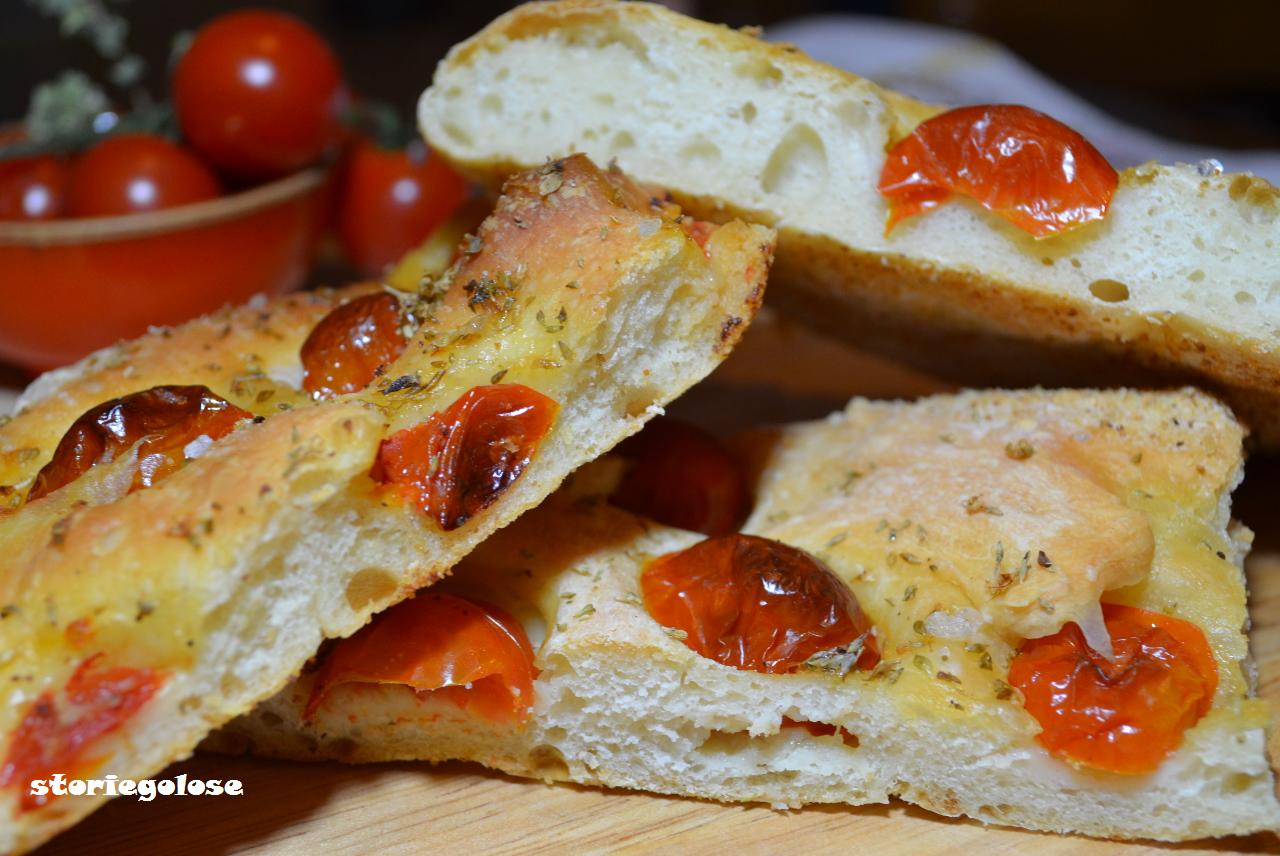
(780, 373)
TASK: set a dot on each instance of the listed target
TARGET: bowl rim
(151, 223)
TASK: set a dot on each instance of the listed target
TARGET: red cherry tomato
(98, 701)
(136, 172)
(392, 199)
(1031, 169)
(32, 188)
(345, 350)
(258, 94)
(1123, 716)
(682, 476)
(471, 653)
(161, 421)
(462, 459)
(756, 604)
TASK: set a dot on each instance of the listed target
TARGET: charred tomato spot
(162, 422)
(756, 604)
(463, 458)
(349, 346)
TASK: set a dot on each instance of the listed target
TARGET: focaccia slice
(157, 614)
(1125, 495)
(1178, 279)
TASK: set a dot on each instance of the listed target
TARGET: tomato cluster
(257, 95)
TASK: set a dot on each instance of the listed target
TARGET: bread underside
(228, 574)
(620, 702)
(1176, 285)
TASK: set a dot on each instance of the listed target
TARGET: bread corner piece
(1128, 492)
(214, 586)
(1177, 284)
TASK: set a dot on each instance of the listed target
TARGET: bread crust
(957, 276)
(225, 576)
(621, 703)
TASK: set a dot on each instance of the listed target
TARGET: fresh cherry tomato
(681, 476)
(258, 94)
(98, 700)
(469, 652)
(392, 199)
(162, 422)
(131, 173)
(462, 459)
(32, 188)
(345, 350)
(756, 604)
(1122, 716)
(1031, 169)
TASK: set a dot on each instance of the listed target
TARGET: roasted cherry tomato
(391, 200)
(164, 422)
(469, 652)
(32, 188)
(349, 345)
(462, 459)
(131, 173)
(258, 94)
(1123, 716)
(99, 700)
(682, 477)
(1030, 169)
(756, 604)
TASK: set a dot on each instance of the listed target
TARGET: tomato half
(1124, 716)
(345, 350)
(391, 200)
(463, 458)
(1029, 168)
(756, 604)
(131, 173)
(98, 701)
(681, 476)
(469, 652)
(258, 94)
(162, 421)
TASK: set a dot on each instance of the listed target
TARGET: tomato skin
(683, 477)
(345, 350)
(463, 458)
(132, 173)
(161, 421)
(1029, 168)
(33, 188)
(755, 604)
(439, 643)
(391, 200)
(258, 94)
(44, 743)
(1121, 717)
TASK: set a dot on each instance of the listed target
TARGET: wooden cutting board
(779, 373)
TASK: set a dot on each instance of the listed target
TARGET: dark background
(1206, 72)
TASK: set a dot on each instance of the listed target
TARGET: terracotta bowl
(69, 287)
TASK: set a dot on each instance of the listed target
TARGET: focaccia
(1176, 284)
(965, 527)
(139, 612)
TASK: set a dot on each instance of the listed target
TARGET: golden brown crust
(226, 575)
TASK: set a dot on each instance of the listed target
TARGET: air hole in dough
(749, 112)
(760, 70)
(492, 103)
(1109, 290)
(372, 585)
(621, 142)
(1244, 298)
(700, 150)
(798, 164)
